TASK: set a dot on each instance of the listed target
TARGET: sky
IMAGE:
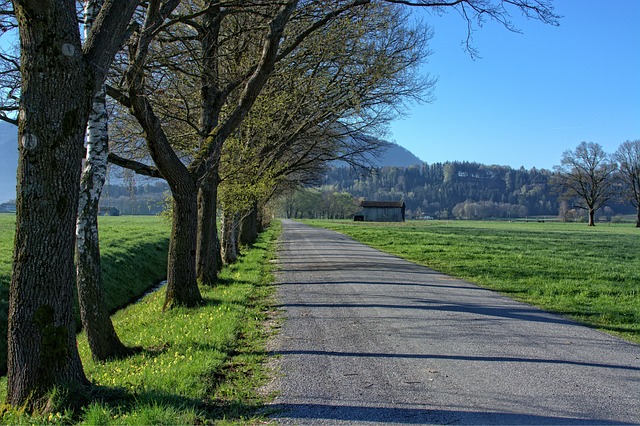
(531, 96)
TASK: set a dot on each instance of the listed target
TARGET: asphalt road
(369, 338)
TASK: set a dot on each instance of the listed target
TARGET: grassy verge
(199, 366)
(589, 274)
(134, 259)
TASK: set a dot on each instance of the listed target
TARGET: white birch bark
(103, 341)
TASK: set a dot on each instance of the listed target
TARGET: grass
(591, 274)
(134, 259)
(198, 366)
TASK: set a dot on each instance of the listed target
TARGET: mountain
(8, 161)
(397, 156)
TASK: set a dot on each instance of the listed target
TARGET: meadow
(590, 274)
(197, 366)
(134, 259)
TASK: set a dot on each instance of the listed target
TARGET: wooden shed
(381, 211)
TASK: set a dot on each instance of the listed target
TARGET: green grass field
(197, 366)
(134, 258)
(591, 274)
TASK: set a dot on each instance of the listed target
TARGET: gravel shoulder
(369, 338)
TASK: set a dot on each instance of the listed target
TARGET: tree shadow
(502, 359)
(123, 402)
(520, 312)
(321, 413)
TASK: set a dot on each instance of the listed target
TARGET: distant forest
(131, 199)
(457, 190)
(452, 190)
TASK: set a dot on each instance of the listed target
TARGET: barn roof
(383, 204)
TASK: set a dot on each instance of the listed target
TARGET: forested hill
(437, 190)
(397, 156)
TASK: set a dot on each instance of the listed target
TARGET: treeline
(146, 199)
(460, 190)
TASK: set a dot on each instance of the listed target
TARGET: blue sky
(533, 95)
(530, 96)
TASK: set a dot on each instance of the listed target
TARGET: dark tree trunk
(249, 226)
(229, 238)
(208, 258)
(592, 214)
(182, 287)
(638, 216)
(42, 348)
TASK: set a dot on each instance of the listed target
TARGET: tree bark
(208, 259)
(59, 79)
(638, 216)
(249, 226)
(182, 287)
(103, 340)
(53, 111)
(592, 214)
(229, 238)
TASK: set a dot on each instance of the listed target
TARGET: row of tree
(229, 101)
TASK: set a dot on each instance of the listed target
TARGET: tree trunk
(249, 226)
(59, 79)
(182, 287)
(208, 258)
(103, 340)
(638, 216)
(229, 238)
(42, 348)
(592, 214)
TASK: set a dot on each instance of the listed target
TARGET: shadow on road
(456, 357)
(523, 314)
(310, 413)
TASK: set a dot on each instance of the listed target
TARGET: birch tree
(96, 321)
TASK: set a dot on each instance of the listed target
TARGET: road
(369, 338)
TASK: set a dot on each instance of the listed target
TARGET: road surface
(369, 338)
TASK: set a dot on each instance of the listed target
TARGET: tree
(587, 174)
(54, 107)
(351, 77)
(96, 321)
(628, 158)
(228, 104)
(185, 181)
